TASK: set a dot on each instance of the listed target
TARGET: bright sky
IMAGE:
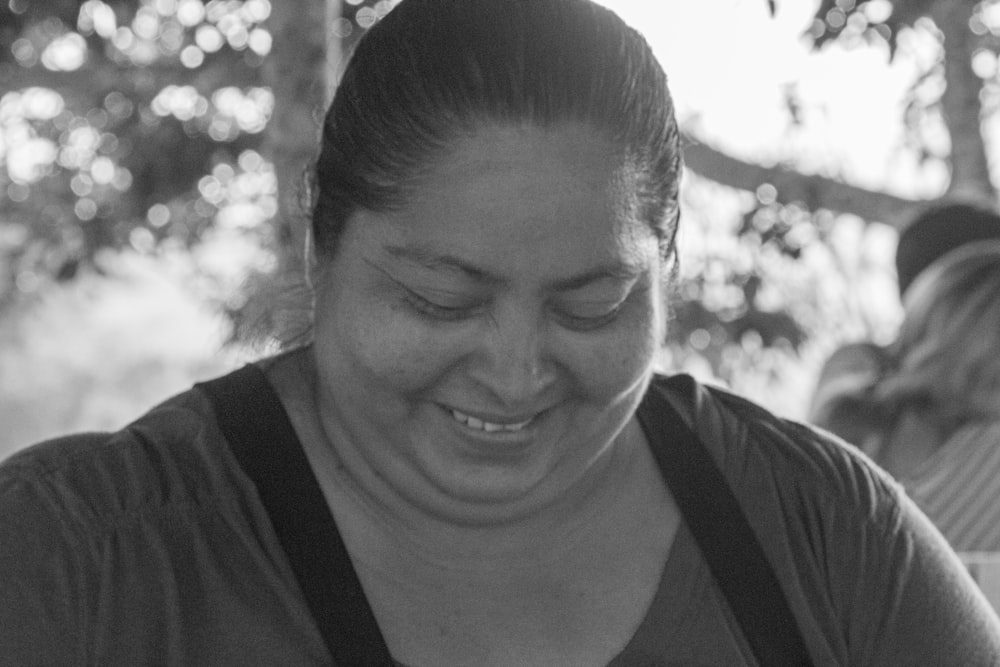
(729, 60)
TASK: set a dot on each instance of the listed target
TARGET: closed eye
(442, 305)
(582, 314)
(437, 309)
(593, 316)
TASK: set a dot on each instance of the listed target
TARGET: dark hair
(432, 70)
(938, 230)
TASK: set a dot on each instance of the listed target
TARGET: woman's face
(484, 345)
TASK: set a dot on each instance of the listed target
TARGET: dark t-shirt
(150, 546)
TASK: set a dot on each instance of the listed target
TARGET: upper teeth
(489, 427)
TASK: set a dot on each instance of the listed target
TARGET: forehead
(565, 186)
(571, 155)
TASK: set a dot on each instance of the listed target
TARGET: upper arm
(911, 601)
(39, 582)
(875, 578)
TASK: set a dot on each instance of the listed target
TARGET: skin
(517, 288)
(516, 285)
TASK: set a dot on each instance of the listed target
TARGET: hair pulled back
(434, 70)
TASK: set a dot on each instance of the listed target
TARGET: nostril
(513, 364)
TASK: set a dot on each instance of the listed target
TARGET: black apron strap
(264, 442)
(727, 542)
(261, 437)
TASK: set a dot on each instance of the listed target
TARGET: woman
(473, 462)
(933, 416)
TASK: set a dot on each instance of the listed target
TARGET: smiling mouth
(488, 427)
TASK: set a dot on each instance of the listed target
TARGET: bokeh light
(65, 53)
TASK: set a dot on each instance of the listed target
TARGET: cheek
(378, 344)
(614, 363)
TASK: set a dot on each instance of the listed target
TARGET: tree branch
(960, 102)
(812, 190)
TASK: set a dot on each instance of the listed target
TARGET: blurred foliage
(884, 23)
(137, 189)
(762, 279)
(874, 22)
(129, 124)
(142, 126)
(722, 302)
(135, 124)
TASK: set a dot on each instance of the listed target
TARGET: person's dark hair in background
(938, 230)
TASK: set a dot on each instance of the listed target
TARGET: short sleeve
(908, 599)
(39, 583)
(871, 580)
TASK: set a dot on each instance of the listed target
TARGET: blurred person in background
(931, 417)
(474, 462)
(852, 369)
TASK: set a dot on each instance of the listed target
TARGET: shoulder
(105, 537)
(173, 455)
(756, 449)
(72, 510)
(862, 568)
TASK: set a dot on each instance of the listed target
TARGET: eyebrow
(435, 261)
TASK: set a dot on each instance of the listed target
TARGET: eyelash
(436, 311)
(592, 323)
(448, 314)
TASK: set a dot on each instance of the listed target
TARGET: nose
(513, 362)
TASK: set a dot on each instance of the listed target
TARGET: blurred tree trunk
(960, 103)
(310, 43)
(302, 69)
(296, 72)
(277, 302)
(342, 34)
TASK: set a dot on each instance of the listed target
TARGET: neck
(533, 530)
(381, 518)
